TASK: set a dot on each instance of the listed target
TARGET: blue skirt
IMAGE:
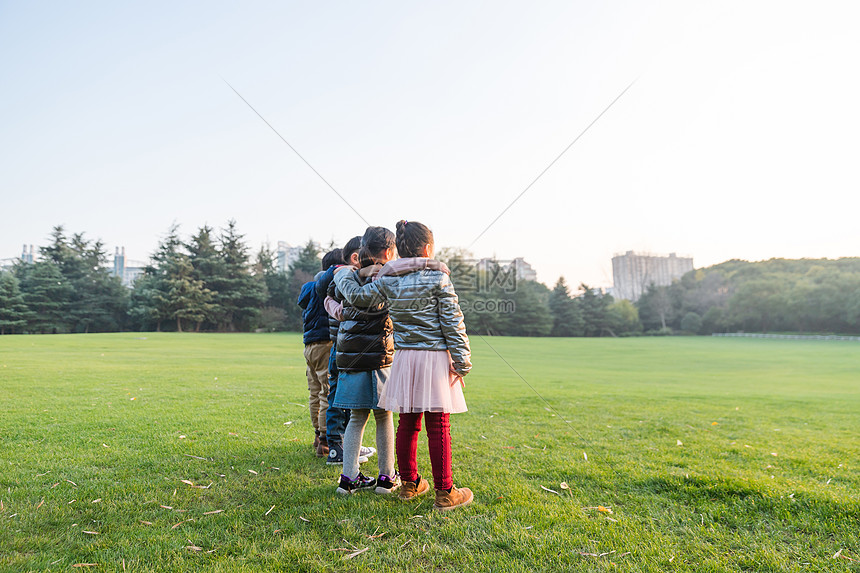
(360, 389)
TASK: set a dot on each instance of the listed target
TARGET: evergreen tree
(532, 316)
(594, 306)
(277, 283)
(186, 298)
(98, 301)
(567, 317)
(47, 294)
(14, 313)
(240, 296)
(208, 268)
(151, 295)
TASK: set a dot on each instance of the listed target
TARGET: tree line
(778, 295)
(210, 281)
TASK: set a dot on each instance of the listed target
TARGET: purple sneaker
(386, 485)
(348, 486)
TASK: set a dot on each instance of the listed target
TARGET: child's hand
(456, 378)
(369, 271)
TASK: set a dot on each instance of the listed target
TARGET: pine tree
(150, 297)
(208, 268)
(239, 295)
(567, 317)
(47, 294)
(14, 313)
(277, 283)
(187, 299)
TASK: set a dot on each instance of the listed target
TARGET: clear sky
(740, 138)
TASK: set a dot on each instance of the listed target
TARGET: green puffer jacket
(423, 306)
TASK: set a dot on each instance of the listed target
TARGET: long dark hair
(411, 238)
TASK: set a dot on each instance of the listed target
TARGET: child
(365, 349)
(432, 357)
(336, 418)
(317, 350)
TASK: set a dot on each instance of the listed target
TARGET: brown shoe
(456, 498)
(316, 443)
(322, 448)
(411, 490)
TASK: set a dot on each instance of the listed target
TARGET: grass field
(711, 454)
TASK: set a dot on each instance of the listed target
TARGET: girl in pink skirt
(432, 358)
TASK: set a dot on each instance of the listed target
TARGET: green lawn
(712, 454)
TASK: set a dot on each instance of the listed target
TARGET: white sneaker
(366, 451)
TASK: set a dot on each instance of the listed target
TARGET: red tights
(438, 426)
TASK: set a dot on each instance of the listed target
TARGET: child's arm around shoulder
(353, 292)
(454, 327)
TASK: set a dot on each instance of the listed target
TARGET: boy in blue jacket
(317, 352)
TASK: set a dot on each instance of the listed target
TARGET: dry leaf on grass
(97, 500)
(213, 512)
(305, 520)
(41, 503)
(355, 553)
(85, 565)
(91, 532)
(181, 522)
(268, 512)
(680, 443)
(599, 508)
(166, 507)
(146, 522)
(253, 472)
(187, 481)
(549, 490)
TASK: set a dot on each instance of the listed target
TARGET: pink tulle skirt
(421, 381)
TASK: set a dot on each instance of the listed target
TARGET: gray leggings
(384, 441)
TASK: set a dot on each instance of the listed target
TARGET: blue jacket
(314, 316)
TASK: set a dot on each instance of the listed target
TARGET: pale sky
(740, 138)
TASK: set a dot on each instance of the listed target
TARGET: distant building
(287, 255)
(522, 271)
(27, 256)
(632, 273)
(128, 273)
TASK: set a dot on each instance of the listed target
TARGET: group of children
(385, 334)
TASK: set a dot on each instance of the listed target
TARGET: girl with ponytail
(432, 357)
